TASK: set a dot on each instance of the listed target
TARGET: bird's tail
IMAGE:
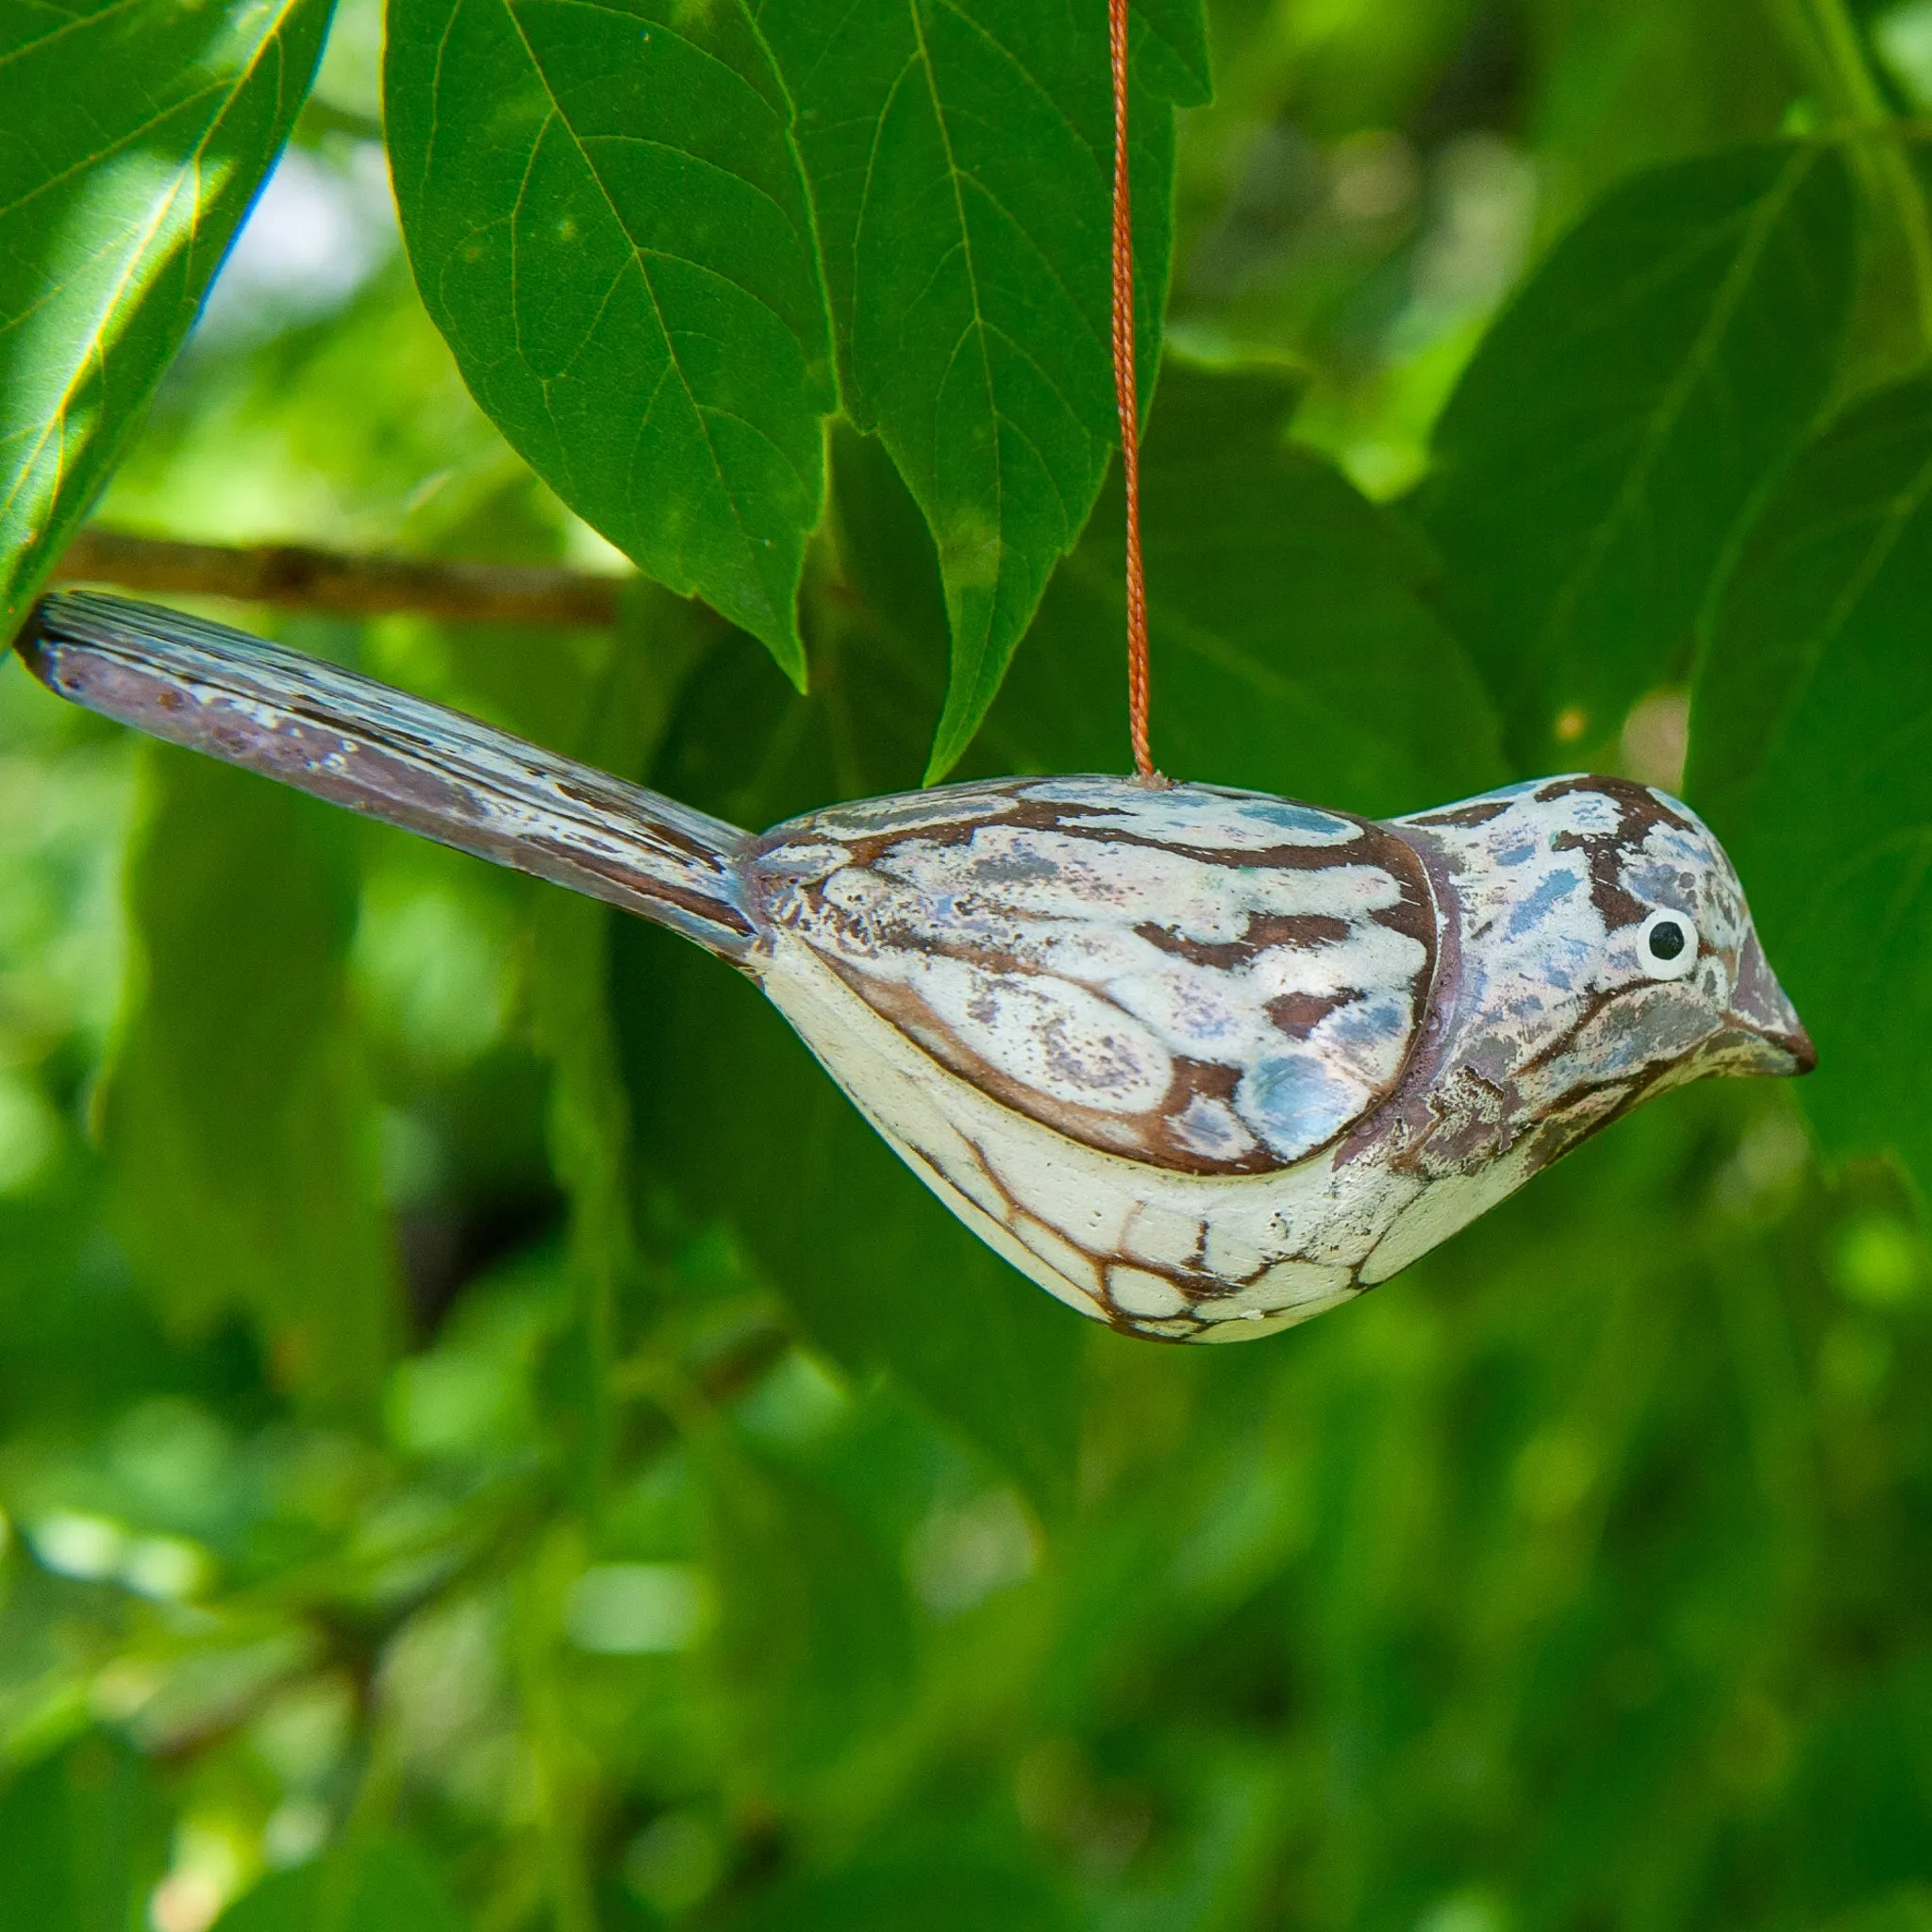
(395, 758)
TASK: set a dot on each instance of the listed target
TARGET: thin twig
(299, 579)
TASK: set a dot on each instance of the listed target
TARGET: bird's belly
(1208, 1257)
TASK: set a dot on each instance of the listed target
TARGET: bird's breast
(1164, 1252)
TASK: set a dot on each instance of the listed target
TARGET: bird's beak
(1764, 1034)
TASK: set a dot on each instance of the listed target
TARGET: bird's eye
(1667, 945)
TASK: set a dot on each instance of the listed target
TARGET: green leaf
(605, 212)
(236, 1118)
(917, 1887)
(1292, 645)
(1811, 756)
(383, 1886)
(134, 139)
(1647, 81)
(82, 1841)
(814, 1642)
(1652, 378)
(730, 1106)
(961, 157)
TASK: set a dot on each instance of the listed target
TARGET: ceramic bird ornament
(1202, 1062)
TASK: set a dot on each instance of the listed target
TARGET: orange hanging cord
(1127, 394)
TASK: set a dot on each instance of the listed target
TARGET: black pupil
(1666, 941)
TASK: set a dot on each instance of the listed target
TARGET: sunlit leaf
(961, 157)
(607, 218)
(132, 140)
(237, 1115)
(1811, 754)
(1655, 374)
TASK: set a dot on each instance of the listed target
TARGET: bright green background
(488, 1440)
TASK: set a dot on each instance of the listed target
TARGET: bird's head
(1598, 949)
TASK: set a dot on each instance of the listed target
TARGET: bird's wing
(1209, 980)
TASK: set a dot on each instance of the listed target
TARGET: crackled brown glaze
(1201, 979)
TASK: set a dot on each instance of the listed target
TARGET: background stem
(295, 576)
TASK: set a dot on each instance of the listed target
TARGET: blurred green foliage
(488, 1440)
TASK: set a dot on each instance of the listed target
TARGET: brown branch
(298, 578)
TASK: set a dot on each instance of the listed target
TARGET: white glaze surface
(1057, 1209)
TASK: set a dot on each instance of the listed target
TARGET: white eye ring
(1667, 945)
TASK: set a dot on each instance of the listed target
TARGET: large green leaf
(236, 1118)
(1591, 467)
(961, 155)
(728, 1102)
(386, 1885)
(1293, 648)
(606, 219)
(931, 1886)
(814, 1642)
(1634, 83)
(132, 141)
(81, 1841)
(1811, 754)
